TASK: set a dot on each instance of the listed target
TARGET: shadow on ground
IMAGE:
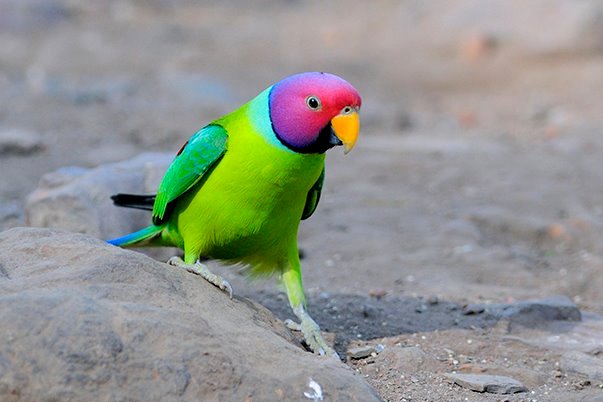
(354, 317)
(363, 317)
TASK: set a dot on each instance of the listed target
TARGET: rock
(361, 352)
(582, 363)
(78, 199)
(11, 215)
(473, 308)
(83, 320)
(529, 312)
(494, 384)
(16, 141)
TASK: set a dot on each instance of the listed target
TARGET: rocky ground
(475, 184)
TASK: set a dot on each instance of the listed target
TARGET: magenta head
(304, 108)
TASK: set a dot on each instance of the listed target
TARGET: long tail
(141, 238)
(134, 201)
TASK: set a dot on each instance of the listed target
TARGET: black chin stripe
(326, 140)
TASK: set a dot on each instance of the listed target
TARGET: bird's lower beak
(346, 128)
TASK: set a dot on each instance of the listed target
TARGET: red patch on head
(294, 122)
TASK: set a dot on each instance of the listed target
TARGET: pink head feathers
(303, 106)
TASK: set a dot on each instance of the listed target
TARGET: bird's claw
(312, 336)
(175, 261)
(204, 272)
(226, 287)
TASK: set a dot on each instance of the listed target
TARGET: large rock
(78, 199)
(84, 320)
(579, 362)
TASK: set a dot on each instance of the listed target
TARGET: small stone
(421, 308)
(477, 46)
(377, 293)
(20, 142)
(494, 384)
(367, 310)
(361, 352)
(473, 308)
(433, 300)
(558, 374)
(581, 384)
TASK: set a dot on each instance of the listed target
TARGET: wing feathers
(194, 159)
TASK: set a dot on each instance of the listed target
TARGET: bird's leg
(309, 328)
(204, 272)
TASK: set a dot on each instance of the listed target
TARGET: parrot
(239, 188)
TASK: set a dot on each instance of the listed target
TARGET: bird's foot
(204, 272)
(292, 325)
(311, 331)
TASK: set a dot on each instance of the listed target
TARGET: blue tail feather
(137, 237)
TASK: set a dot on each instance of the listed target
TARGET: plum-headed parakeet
(239, 187)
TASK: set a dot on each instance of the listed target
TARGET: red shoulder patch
(182, 149)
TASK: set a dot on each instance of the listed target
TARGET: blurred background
(476, 179)
(477, 176)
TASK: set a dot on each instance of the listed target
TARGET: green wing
(193, 160)
(313, 196)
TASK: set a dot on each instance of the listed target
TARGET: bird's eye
(313, 103)
(347, 110)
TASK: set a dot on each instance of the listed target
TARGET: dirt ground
(476, 179)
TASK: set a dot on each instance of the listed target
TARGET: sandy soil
(476, 178)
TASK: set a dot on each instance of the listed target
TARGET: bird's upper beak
(346, 127)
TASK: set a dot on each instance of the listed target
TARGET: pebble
(362, 352)
(494, 384)
(472, 309)
(421, 308)
(377, 293)
(15, 141)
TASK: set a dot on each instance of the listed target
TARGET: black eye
(313, 103)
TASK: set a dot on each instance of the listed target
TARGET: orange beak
(346, 128)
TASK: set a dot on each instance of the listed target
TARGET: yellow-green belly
(249, 207)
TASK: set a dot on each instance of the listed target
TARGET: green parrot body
(249, 208)
(237, 191)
